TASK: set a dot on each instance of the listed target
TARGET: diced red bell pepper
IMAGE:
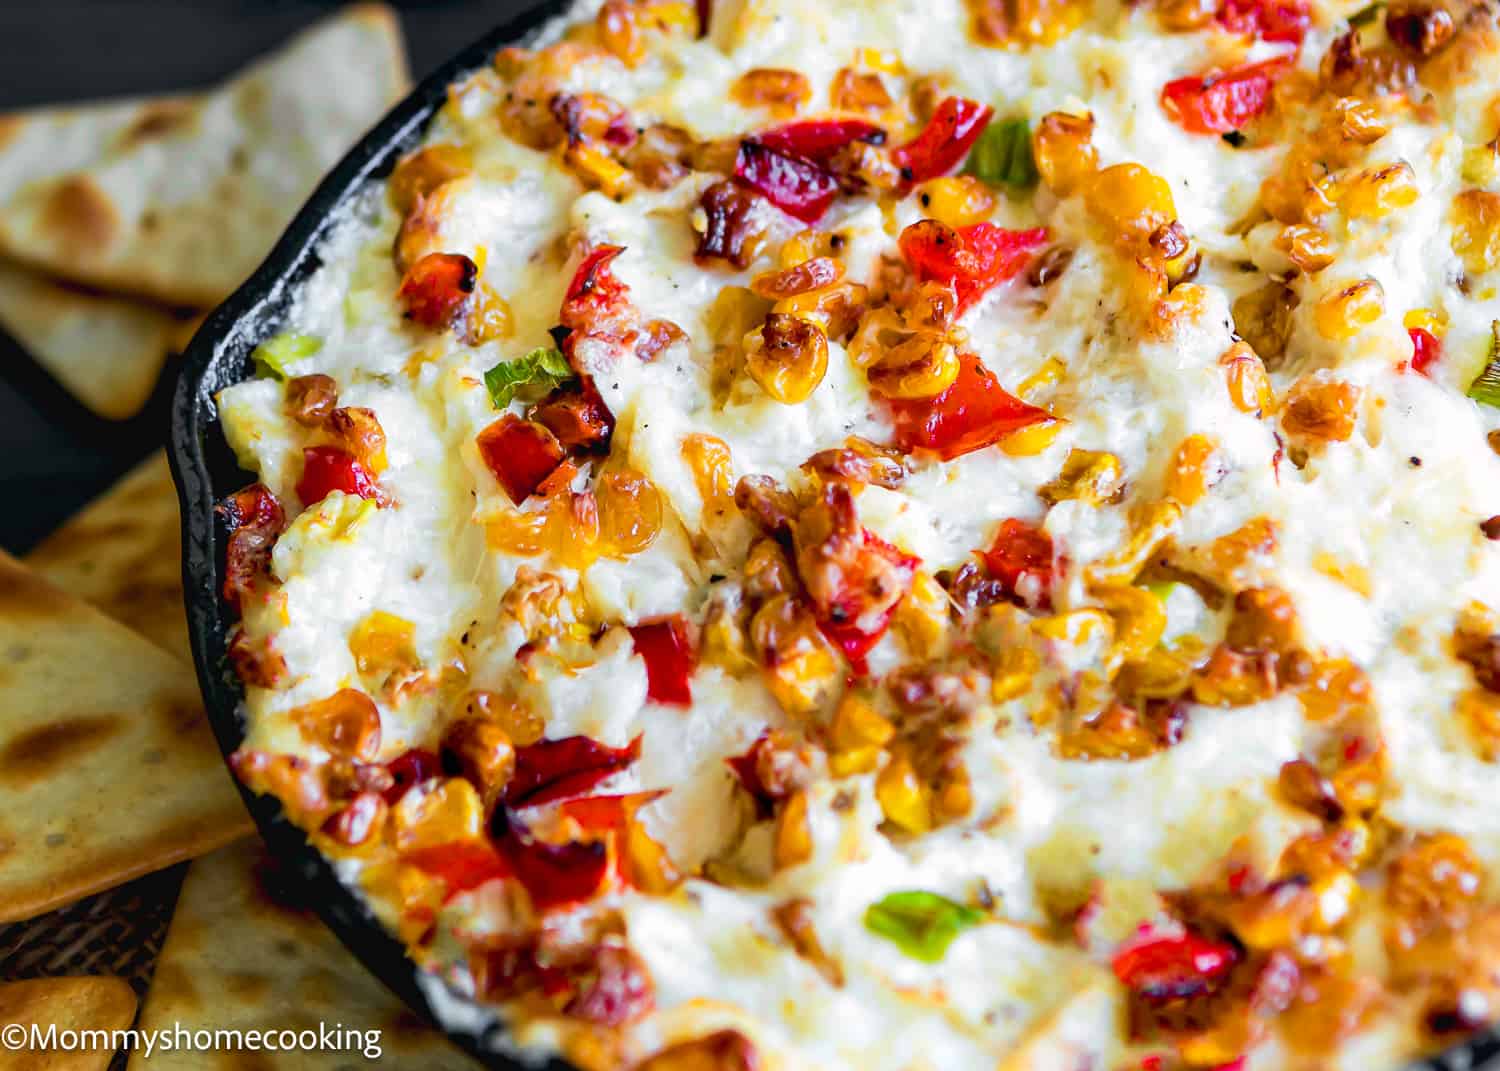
(799, 187)
(461, 865)
(1221, 101)
(556, 874)
(1284, 21)
(254, 519)
(555, 769)
(436, 290)
(974, 412)
(944, 141)
(597, 305)
(846, 634)
(971, 259)
(615, 990)
(607, 814)
(670, 659)
(746, 770)
(411, 768)
(326, 469)
(1021, 559)
(1426, 348)
(520, 454)
(1160, 967)
(819, 140)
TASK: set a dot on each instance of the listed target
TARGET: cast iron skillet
(206, 471)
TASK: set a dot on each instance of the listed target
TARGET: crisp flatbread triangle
(177, 200)
(106, 350)
(69, 1004)
(123, 554)
(107, 766)
(239, 956)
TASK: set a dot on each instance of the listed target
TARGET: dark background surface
(54, 454)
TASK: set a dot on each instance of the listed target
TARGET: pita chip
(108, 769)
(122, 554)
(177, 200)
(241, 955)
(107, 351)
(69, 1004)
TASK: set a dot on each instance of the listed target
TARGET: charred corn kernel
(414, 894)
(880, 59)
(1359, 122)
(957, 200)
(419, 173)
(859, 91)
(1048, 376)
(861, 760)
(804, 277)
(800, 248)
(383, 642)
(1014, 670)
(1246, 380)
(597, 170)
(1193, 470)
(921, 619)
(619, 30)
(1158, 523)
(1091, 476)
(1140, 620)
(1319, 409)
(1480, 711)
(954, 798)
(1344, 313)
(836, 309)
(1476, 230)
(449, 811)
(1032, 439)
(571, 530)
(780, 90)
(629, 510)
(788, 357)
(1130, 201)
(1308, 247)
(1145, 287)
(801, 669)
(1064, 151)
(921, 367)
(735, 311)
(517, 532)
(1161, 673)
(857, 724)
(1180, 16)
(722, 642)
(902, 796)
(1222, 1043)
(521, 723)
(712, 465)
(1376, 192)
(490, 317)
(1481, 164)
(1430, 320)
(1078, 628)
(793, 842)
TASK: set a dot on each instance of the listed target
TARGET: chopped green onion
(1486, 387)
(1002, 155)
(274, 354)
(921, 924)
(1367, 14)
(542, 367)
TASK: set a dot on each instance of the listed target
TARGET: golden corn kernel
(1323, 410)
(630, 512)
(801, 668)
(1064, 151)
(722, 643)
(618, 27)
(1157, 524)
(1359, 122)
(902, 797)
(1130, 201)
(1480, 711)
(859, 91)
(802, 277)
(1476, 230)
(1140, 621)
(836, 309)
(489, 317)
(860, 760)
(1161, 673)
(954, 797)
(782, 91)
(921, 367)
(1308, 247)
(1481, 164)
(1246, 380)
(1193, 469)
(1433, 321)
(1049, 375)
(1091, 476)
(1014, 670)
(597, 170)
(449, 811)
(735, 311)
(417, 174)
(857, 724)
(1342, 314)
(713, 474)
(956, 200)
(383, 643)
(1375, 193)
(788, 357)
(1077, 628)
(1231, 679)
(793, 843)
(880, 59)
(1031, 440)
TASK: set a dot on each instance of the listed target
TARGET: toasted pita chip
(123, 554)
(107, 351)
(239, 956)
(106, 1004)
(178, 200)
(107, 766)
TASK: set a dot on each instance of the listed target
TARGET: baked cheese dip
(909, 535)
